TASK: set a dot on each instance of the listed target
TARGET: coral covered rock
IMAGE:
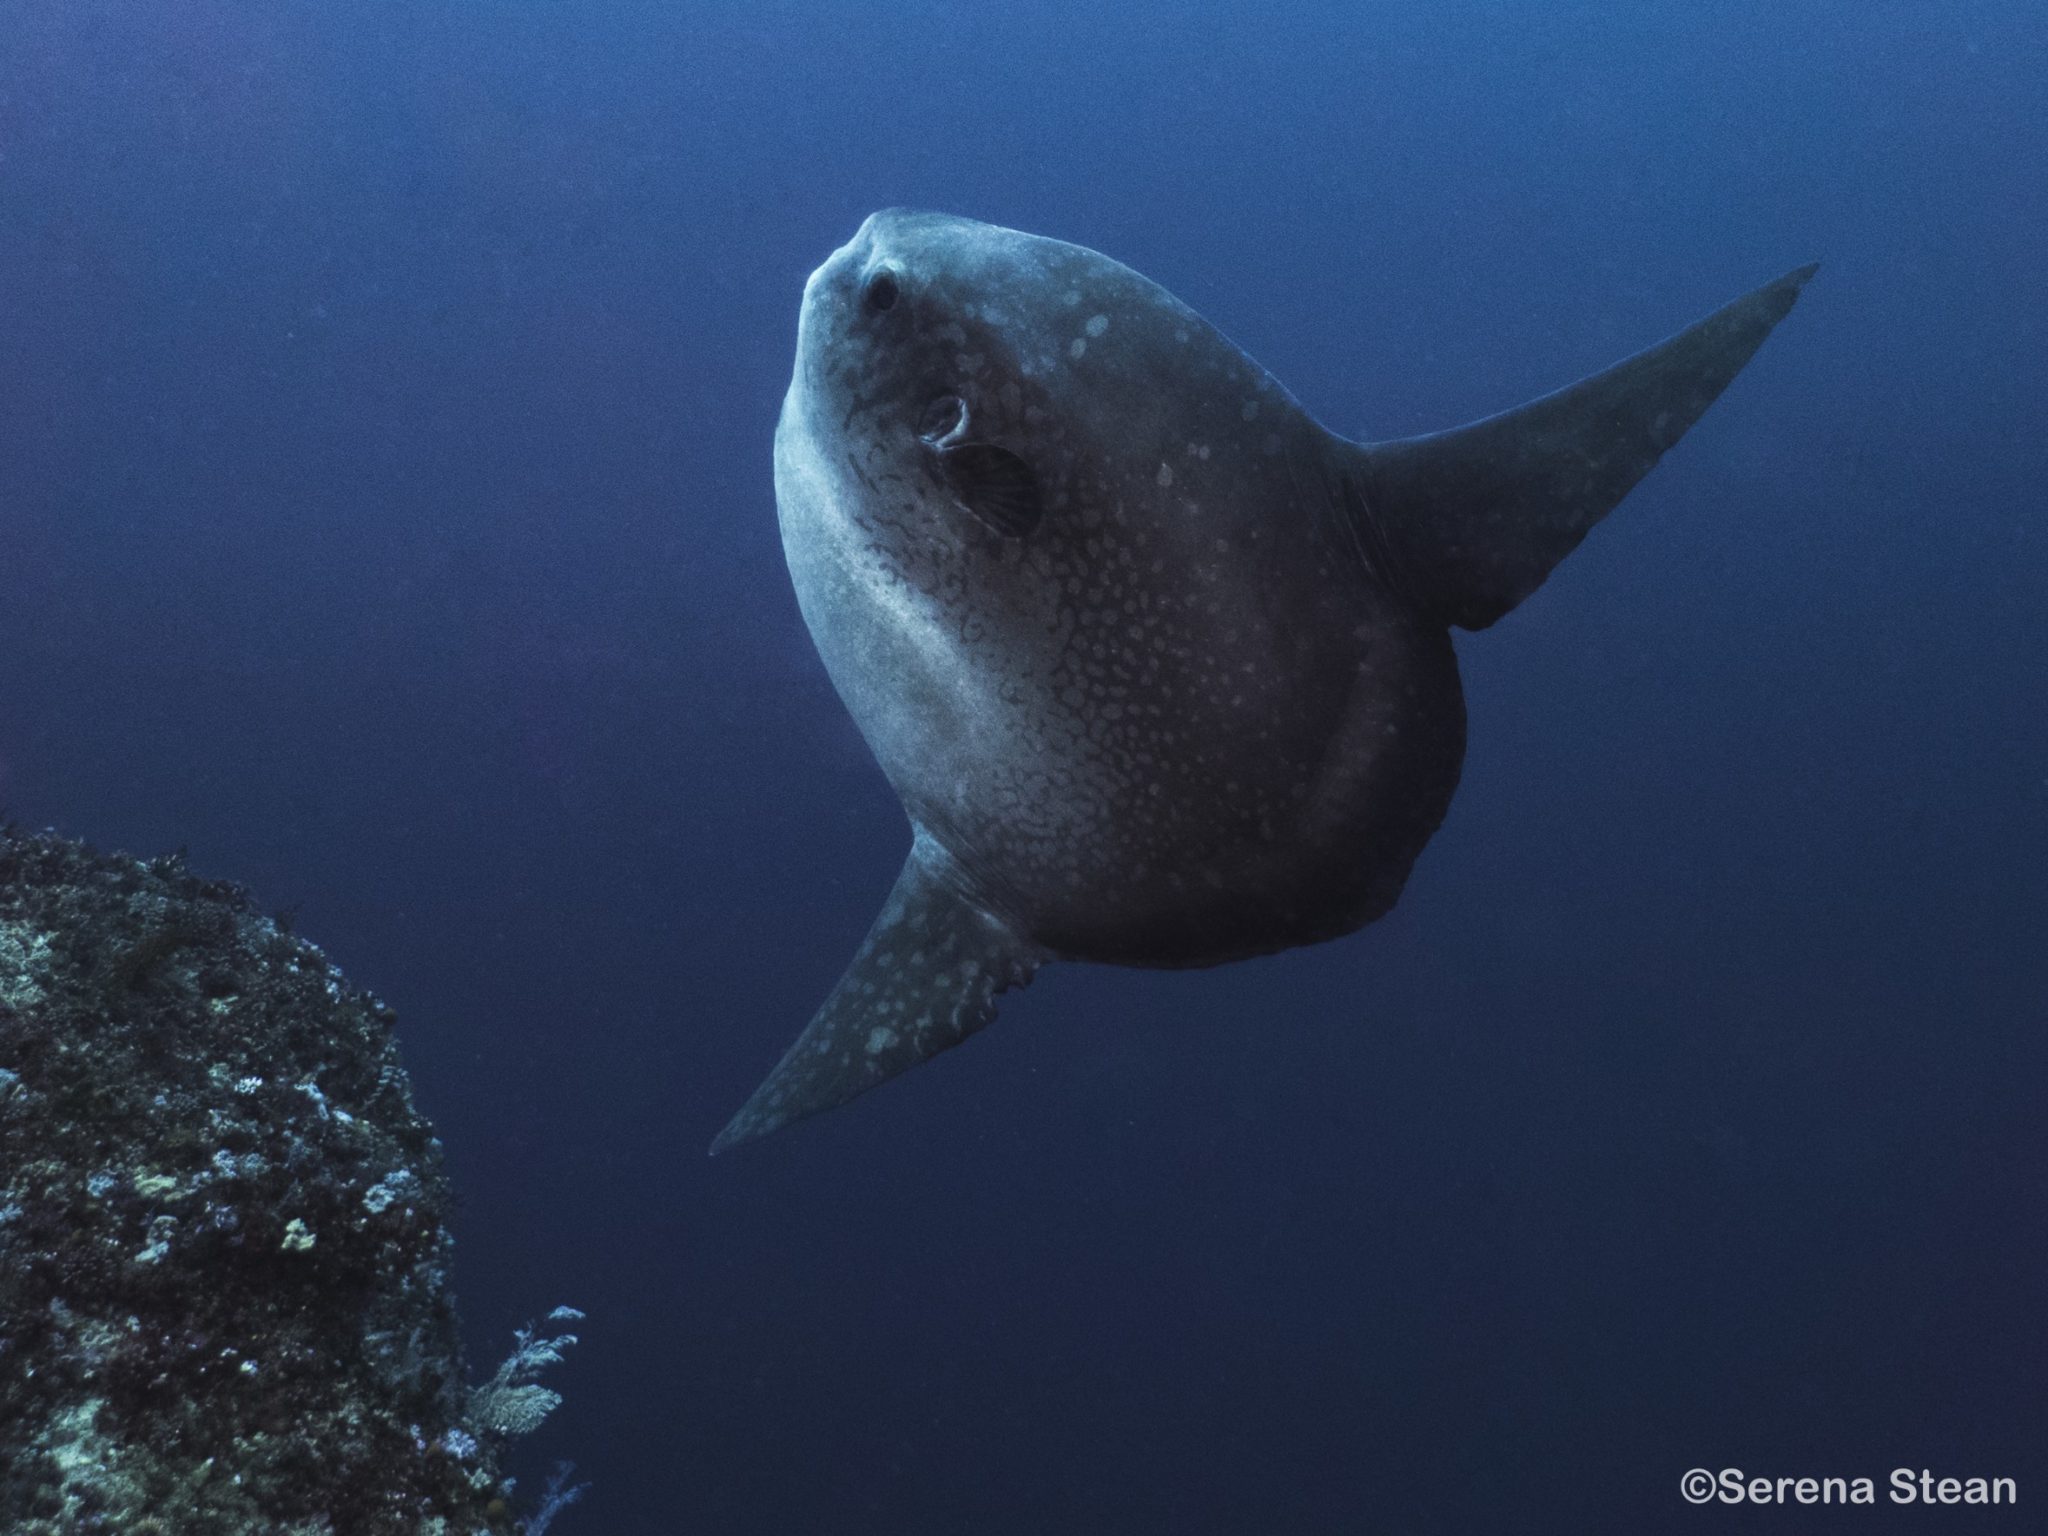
(224, 1288)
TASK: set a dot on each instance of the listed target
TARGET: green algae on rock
(224, 1259)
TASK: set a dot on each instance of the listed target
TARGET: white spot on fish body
(1097, 324)
(1077, 347)
(1165, 474)
(880, 1038)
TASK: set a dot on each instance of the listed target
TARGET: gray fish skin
(1160, 669)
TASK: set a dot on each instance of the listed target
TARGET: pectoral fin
(924, 979)
(995, 485)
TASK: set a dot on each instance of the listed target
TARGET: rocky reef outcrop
(225, 1302)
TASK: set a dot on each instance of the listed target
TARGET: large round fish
(1160, 669)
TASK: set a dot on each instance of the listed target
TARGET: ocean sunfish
(1160, 669)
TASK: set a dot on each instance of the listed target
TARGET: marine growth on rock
(224, 1257)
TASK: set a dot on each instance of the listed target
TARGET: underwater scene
(1030, 770)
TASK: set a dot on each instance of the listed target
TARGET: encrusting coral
(224, 1258)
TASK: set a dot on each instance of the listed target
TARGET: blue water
(385, 514)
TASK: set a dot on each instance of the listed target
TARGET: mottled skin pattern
(1160, 669)
(1181, 721)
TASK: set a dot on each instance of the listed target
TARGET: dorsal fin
(923, 980)
(1475, 518)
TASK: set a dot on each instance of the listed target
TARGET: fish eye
(880, 292)
(943, 418)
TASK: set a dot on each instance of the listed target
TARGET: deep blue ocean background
(385, 515)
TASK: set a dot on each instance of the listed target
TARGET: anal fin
(924, 979)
